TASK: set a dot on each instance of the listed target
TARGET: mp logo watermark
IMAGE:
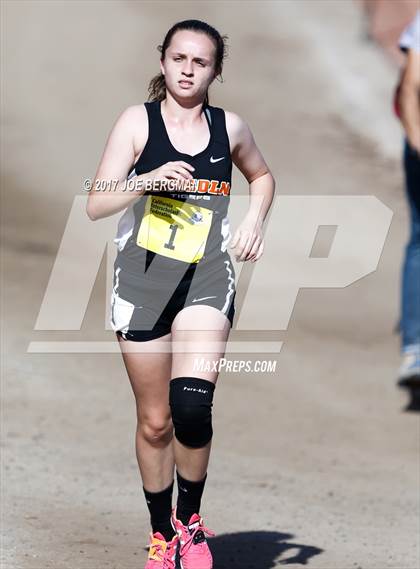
(356, 227)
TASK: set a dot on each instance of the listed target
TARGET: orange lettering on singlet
(203, 186)
(213, 187)
(224, 188)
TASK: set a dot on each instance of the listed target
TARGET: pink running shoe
(194, 553)
(161, 553)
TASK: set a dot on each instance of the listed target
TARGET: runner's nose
(187, 69)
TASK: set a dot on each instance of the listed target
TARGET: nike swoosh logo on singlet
(213, 160)
(204, 298)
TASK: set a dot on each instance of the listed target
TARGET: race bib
(174, 228)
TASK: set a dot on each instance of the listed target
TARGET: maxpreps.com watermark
(235, 366)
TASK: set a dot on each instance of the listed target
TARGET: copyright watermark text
(137, 184)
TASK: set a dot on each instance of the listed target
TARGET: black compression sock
(189, 498)
(160, 508)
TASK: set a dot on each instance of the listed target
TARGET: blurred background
(316, 464)
(385, 20)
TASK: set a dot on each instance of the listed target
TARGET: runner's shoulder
(133, 116)
(134, 121)
(233, 119)
(237, 128)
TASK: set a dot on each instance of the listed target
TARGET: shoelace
(168, 563)
(157, 549)
(185, 547)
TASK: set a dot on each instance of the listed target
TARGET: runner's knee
(156, 432)
(191, 401)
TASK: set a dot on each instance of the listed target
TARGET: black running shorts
(143, 306)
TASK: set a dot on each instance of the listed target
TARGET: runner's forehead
(187, 42)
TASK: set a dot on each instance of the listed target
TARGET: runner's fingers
(244, 246)
(184, 172)
(256, 255)
(169, 182)
(254, 248)
(247, 247)
(182, 164)
(240, 246)
(181, 167)
(260, 252)
(179, 173)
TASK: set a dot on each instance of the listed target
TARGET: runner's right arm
(117, 159)
(126, 140)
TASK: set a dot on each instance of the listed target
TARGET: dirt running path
(317, 463)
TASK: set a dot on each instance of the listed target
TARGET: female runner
(174, 282)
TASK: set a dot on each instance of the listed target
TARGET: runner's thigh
(148, 365)
(199, 336)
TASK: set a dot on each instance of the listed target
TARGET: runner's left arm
(248, 240)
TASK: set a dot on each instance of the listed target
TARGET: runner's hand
(177, 170)
(248, 241)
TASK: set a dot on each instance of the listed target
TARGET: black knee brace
(191, 400)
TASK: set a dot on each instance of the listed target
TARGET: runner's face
(189, 64)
